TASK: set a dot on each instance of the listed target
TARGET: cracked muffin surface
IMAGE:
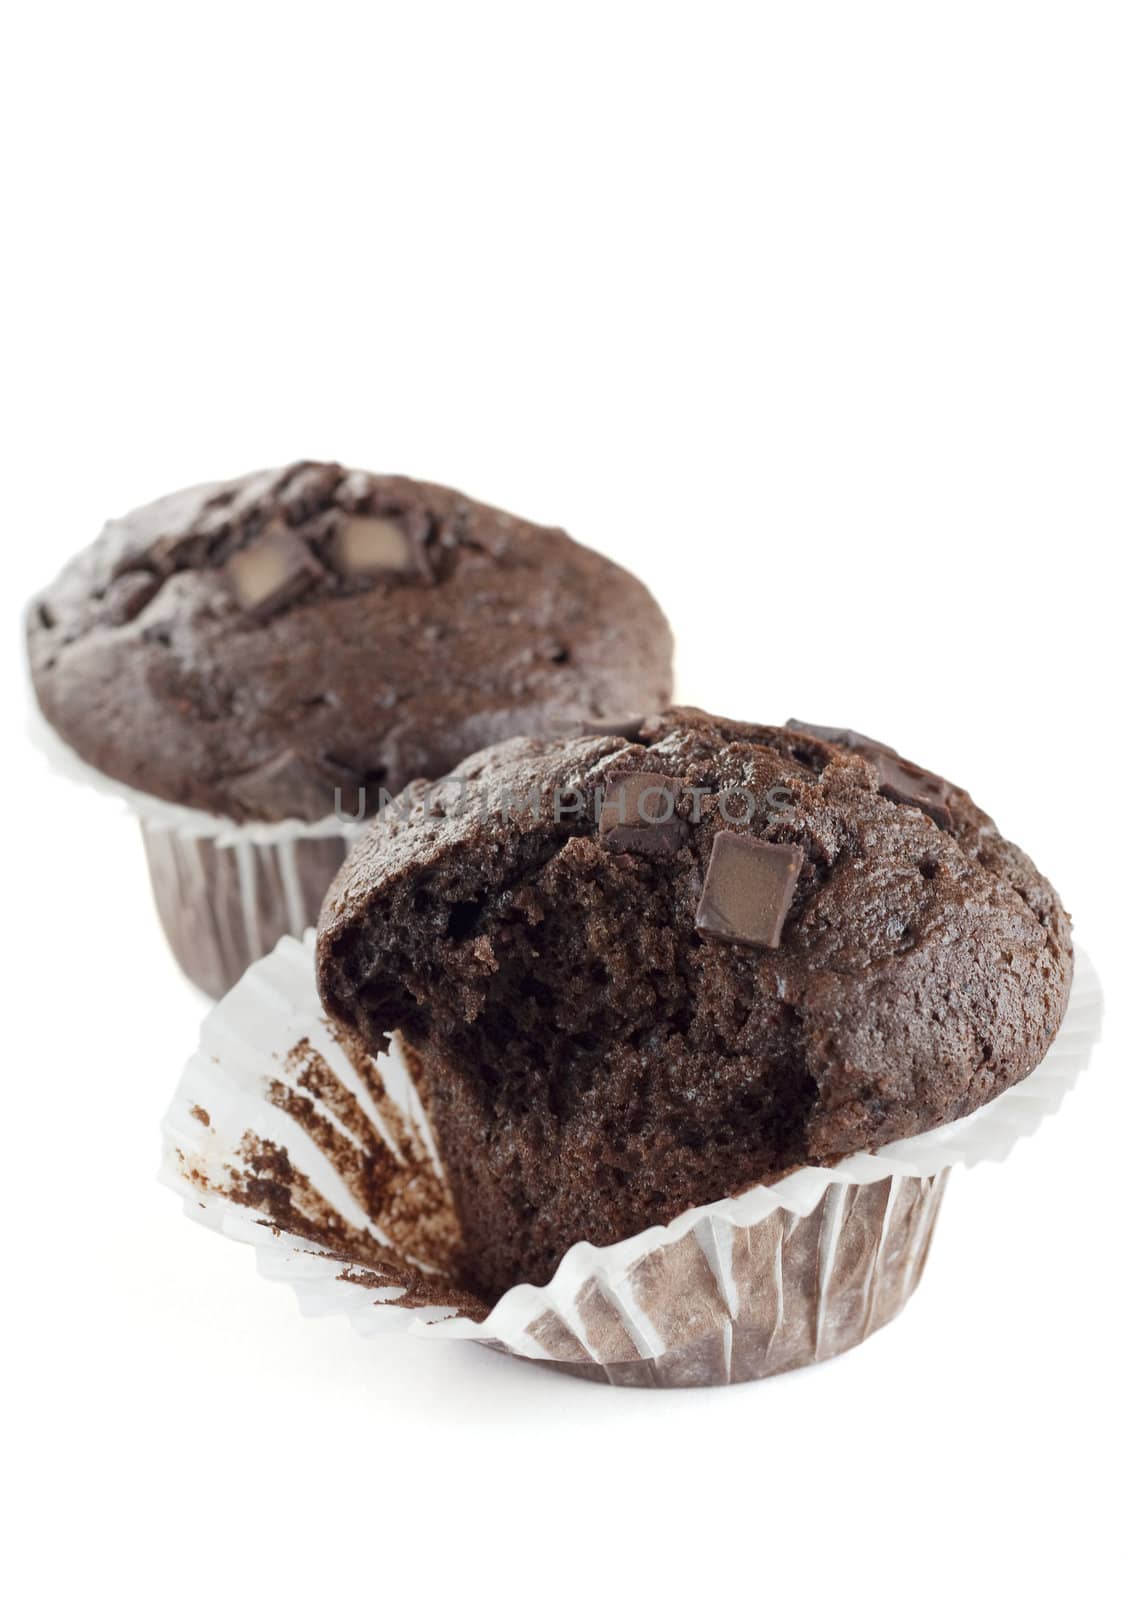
(802, 947)
(250, 647)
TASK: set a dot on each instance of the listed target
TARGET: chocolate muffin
(296, 641)
(641, 972)
(248, 647)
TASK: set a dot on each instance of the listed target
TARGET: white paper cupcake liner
(225, 891)
(324, 1160)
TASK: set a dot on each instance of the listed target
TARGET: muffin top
(250, 648)
(645, 972)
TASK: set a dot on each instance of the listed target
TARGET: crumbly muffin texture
(251, 647)
(612, 1029)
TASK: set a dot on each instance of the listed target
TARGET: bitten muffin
(295, 641)
(643, 972)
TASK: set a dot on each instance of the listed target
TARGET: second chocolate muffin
(248, 647)
(642, 973)
(273, 647)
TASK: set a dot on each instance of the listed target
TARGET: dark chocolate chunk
(637, 814)
(655, 839)
(909, 785)
(609, 727)
(129, 594)
(306, 487)
(355, 791)
(363, 547)
(846, 737)
(748, 890)
(285, 786)
(639, 800)
(898, 780)
(578, 727)
(272, 571)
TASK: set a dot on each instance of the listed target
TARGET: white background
(811, 315)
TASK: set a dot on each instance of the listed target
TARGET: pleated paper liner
(323, 1158)
(225, 891)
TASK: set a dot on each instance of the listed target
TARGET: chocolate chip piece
(638, 800)
(908, 785)
(365, 547)
(129, 595)
(608, 727)
(271, 572)
(898, 780)
(285, 786)
(355, 792)
(307, 488)
(659, 839)
(637, 813)
(748, 891)
(577, 727)
(846, 737)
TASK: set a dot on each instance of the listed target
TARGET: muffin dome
(641, 973)
(250, 647)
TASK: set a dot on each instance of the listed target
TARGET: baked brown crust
(481, 625)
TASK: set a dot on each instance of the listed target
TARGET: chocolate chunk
(898, 780)
(637, 814)
(355, 792)
(608, 727)
(129, 595)
(365, 547)
(638, 800)
(306, 488)
(578, 727)
(909, 785)
(272, 571)
(285, 786)
(846, 737)
(655, 839)
(748, 890)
